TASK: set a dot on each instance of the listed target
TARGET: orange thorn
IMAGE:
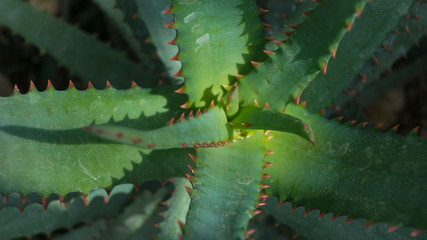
(262, 10)
(250, 232)
(171, 121)
(267, 164)
(185, 105)
(348, 220)
(297, 99)
(364, 124)
(353, 122)
(264, 186)
(416, 232)
(182, 117)
(193, 158)
(367, 224)
(255, 64)
(322, 112)
(293, 209)
(304, 104)
(359, 12)
(49, 84)
(325, 67)
(393, 228)
(260, 204)
(168, 10)
(349, 27)
(321, 215)
(266, 106)
(264, 176)
(263, 197)
(269, 152)
(256, 103)
(334, 53)
(269, 53)
(256, 212)
(198, 113)
(238, 76)
(178, 74)
(212, 105)
(191, 169)
(396, 127)
(170, 25)
(307, 212)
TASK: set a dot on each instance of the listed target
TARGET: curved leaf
(312, 225)
(208, 55)
(354, 50)
(226, 186)
(258, 118)
(36, 219)
(204, 130)
(297, 62)
(82, 54)
(359, 173)
(42, 131)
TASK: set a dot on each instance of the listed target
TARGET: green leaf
(210, 53)
(82, 54)
(354, 50)
(312, 226)
(205, 130)
(178, 206)
(226, 186)
(354, 172)
(42, 131)
(36, 219)
(290, 69)
(152, 14)
(258, 118)
(130, 223)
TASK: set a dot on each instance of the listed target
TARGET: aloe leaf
(36, 219)
(178, 206)
(40, 131)
(208, 55)
(155, 18)
(86, 232)
(312, 225)
(209, 128)
(82, 54)
(129, 224)
(354, 50)
(258, 118)
(293, 66)
(359, 173)
(226, 186)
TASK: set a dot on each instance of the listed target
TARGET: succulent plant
(214, 126)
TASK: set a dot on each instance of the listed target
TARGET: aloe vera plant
(214, 128)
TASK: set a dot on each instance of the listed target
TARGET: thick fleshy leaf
(130, 224)
(208, 55)
(205, 130)
(178, 206)
(36, 219)
(296, 63)
(226, 186)
(156, 18)
(80, 53)
(313, 225)
(354, 50)
(354, 172)
(258, 118)
(42, 131)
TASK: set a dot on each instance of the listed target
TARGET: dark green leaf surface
(152, 14)
(178, 206)
(35, 219)
(80, 53)
(313, 227)
(209, 128)
(226, 186)
(364, 174)
(42, 131)
(380, 17)
(258, 118)
(297, 62)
